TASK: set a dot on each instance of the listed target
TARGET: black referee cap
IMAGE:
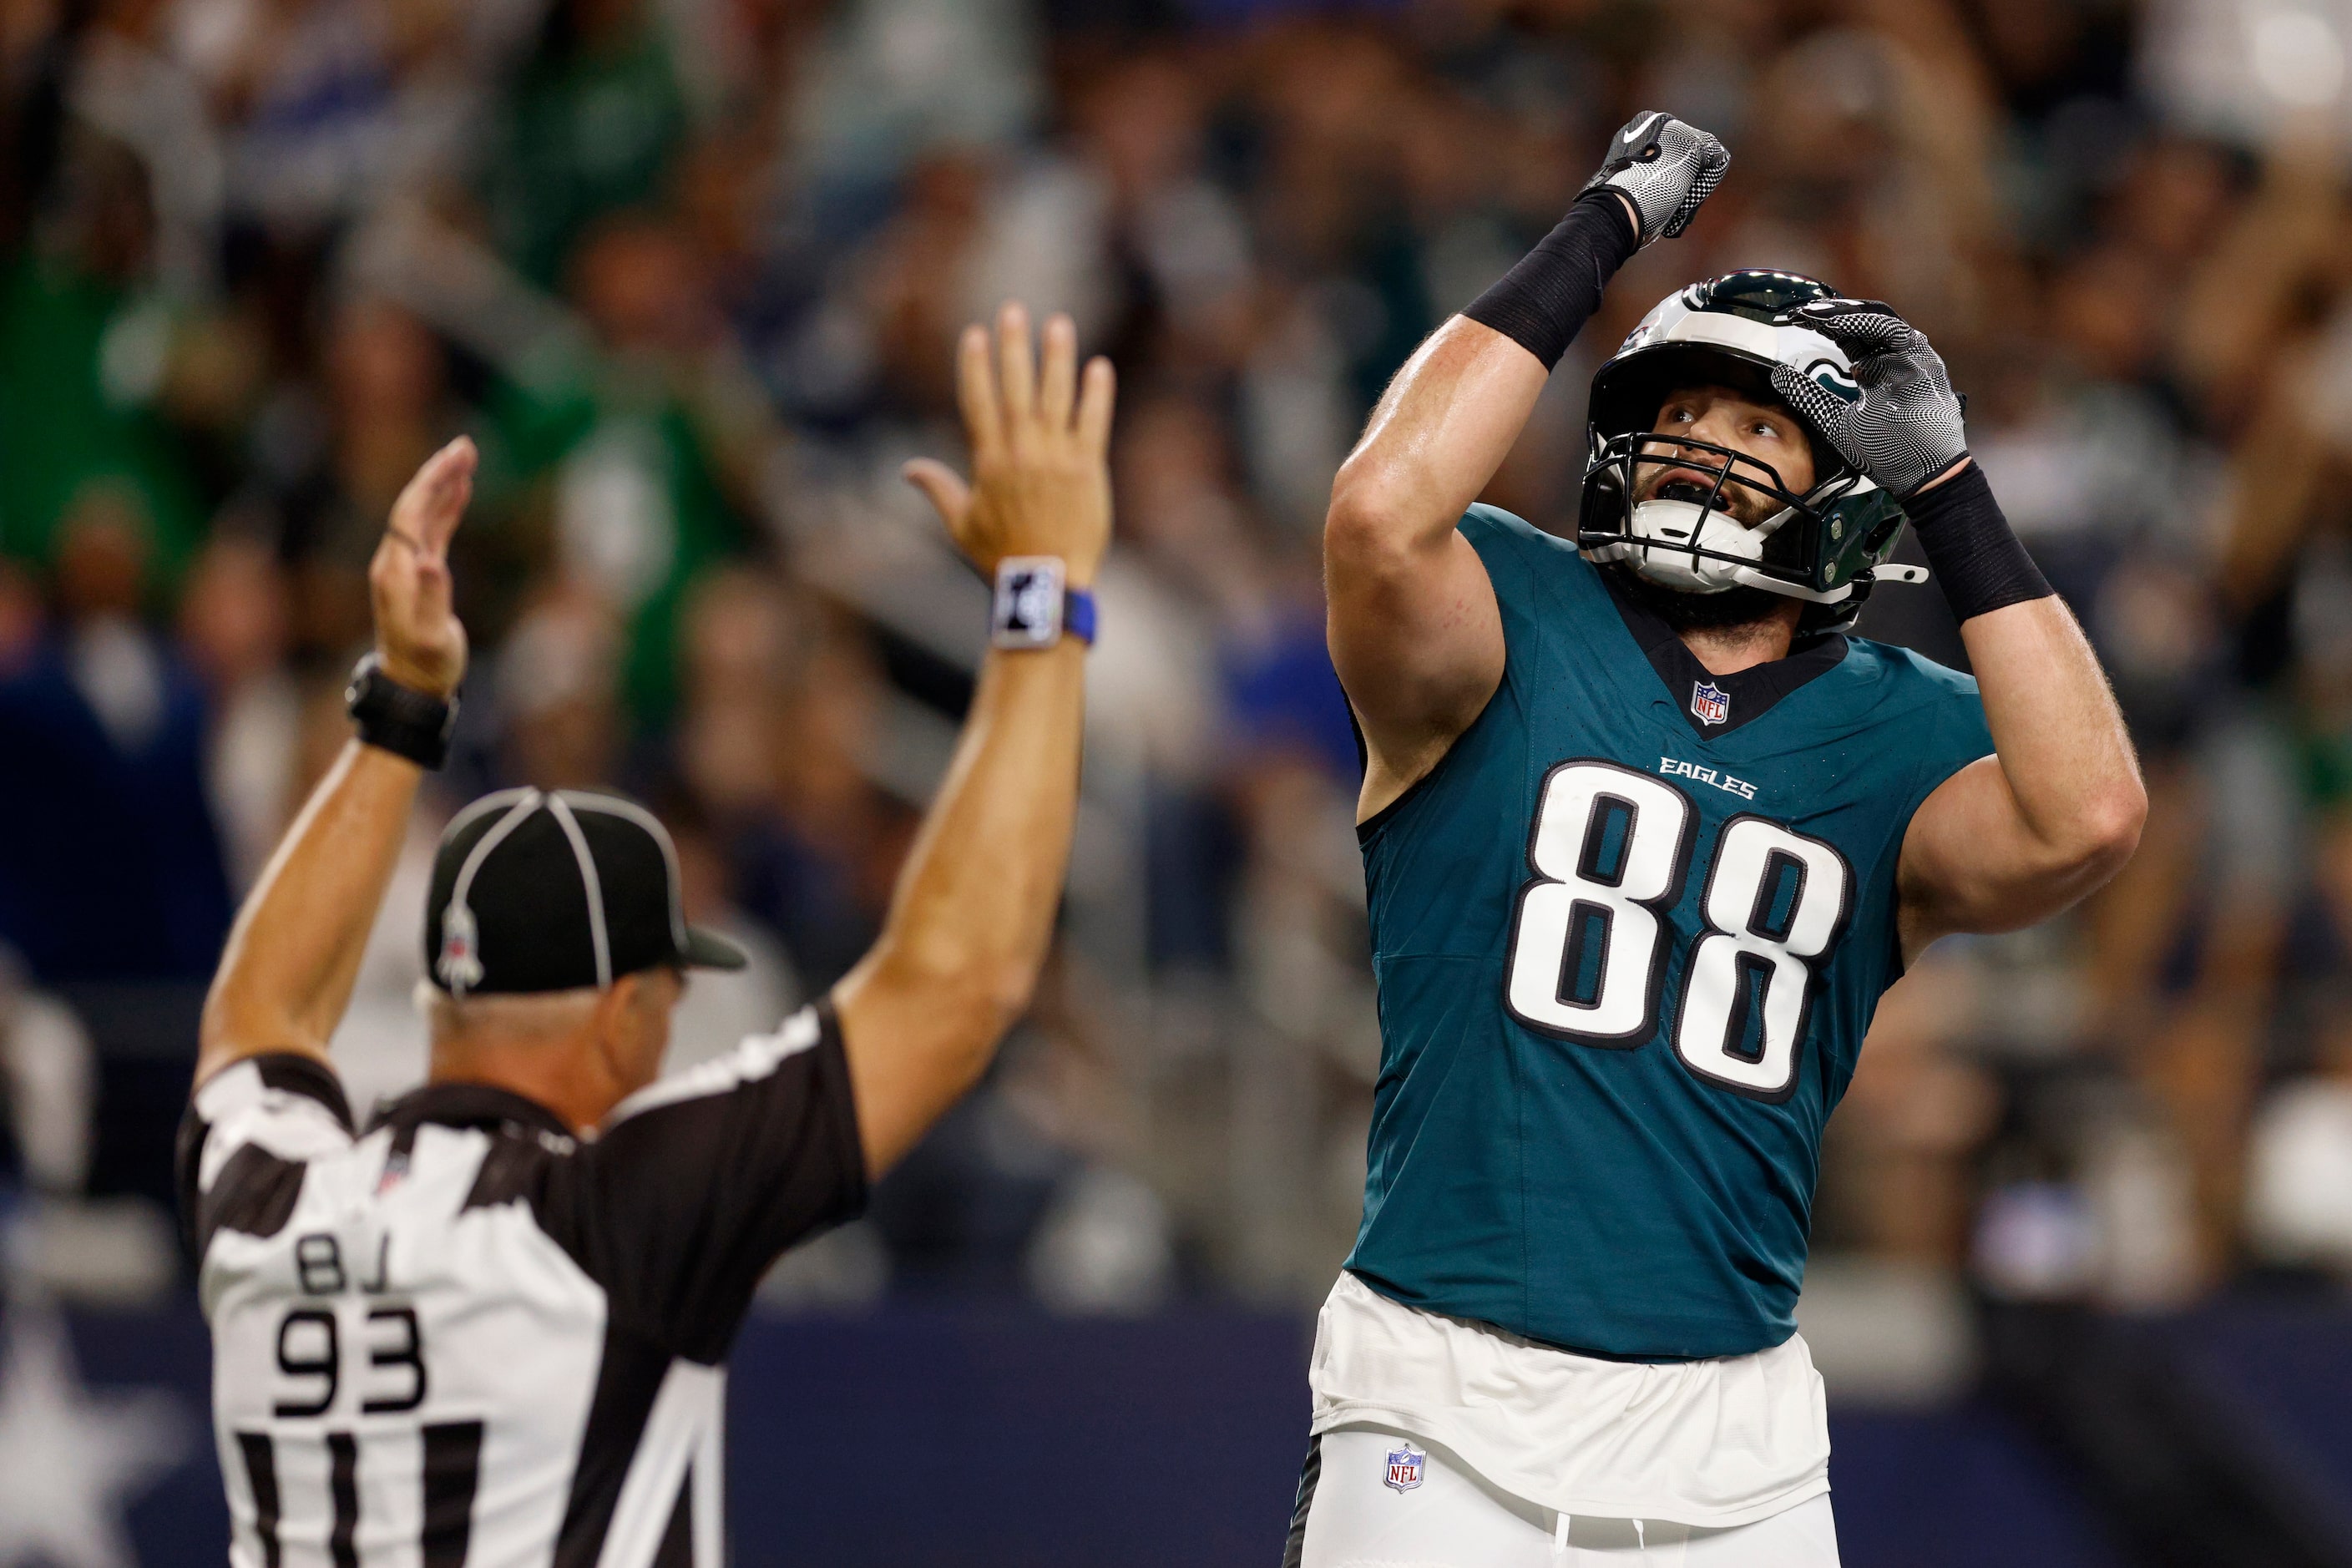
(556, 890)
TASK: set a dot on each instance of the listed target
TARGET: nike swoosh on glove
(1665, 168)
(1906, 428)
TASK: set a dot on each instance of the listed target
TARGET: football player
(1646, 835)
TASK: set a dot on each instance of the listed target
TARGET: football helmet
(1827, 546)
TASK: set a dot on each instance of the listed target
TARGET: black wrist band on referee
(400, 719)
(1543, 302)
(1973, 553)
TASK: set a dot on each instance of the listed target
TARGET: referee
(491, 1326)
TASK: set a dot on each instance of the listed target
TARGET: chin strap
(1750, 577)
(1633, 551)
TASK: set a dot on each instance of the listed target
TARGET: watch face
(1028, 607)
(1031, 603)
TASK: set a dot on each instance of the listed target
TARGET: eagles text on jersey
(466, 1337)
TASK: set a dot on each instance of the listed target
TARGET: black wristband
(1971, 549)
(400, 719)
(1543, 302)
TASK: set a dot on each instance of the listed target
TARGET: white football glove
(1906, 428)
(1665, 169)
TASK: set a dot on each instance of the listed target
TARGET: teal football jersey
(1628, 936)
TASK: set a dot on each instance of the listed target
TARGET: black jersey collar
(1713, 704)
(466, 1105)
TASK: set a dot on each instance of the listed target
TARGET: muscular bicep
(1971, 862)
(1417, 638)
(1414, 630)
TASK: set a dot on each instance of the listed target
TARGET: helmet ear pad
(1604, 502)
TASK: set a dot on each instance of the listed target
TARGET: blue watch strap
(1033, 607)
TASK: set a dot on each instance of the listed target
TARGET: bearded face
(1768, 455)
(1771, 448)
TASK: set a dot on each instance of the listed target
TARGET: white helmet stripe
(461, 970)
(590, 884)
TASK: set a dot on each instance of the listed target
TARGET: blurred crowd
(689, 272)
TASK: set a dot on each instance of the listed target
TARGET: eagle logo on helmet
(1831, 378)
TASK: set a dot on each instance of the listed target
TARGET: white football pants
(1453, 1518)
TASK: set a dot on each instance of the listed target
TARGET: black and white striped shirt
(466, 1338)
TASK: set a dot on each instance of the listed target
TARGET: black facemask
(1698, 612)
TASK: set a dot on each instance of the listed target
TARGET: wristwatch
(1035, 607)
(400, 719)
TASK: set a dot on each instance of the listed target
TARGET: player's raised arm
(2017, 837)
(974, 909)
(1414, 632)
(294, 953)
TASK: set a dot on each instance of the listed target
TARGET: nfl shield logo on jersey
(1710, 704)
(1404, 1467)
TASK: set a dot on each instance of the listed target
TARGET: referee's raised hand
(968, 926)
(419, 638)
(1040, 439)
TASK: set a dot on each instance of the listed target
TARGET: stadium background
(688, 269)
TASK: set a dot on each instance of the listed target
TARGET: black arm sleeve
(1543, 302)
(1976, 557)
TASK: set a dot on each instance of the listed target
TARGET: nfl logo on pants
(1404, 1467)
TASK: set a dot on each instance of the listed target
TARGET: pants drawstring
(1559, 1539)
(1640, 1543)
